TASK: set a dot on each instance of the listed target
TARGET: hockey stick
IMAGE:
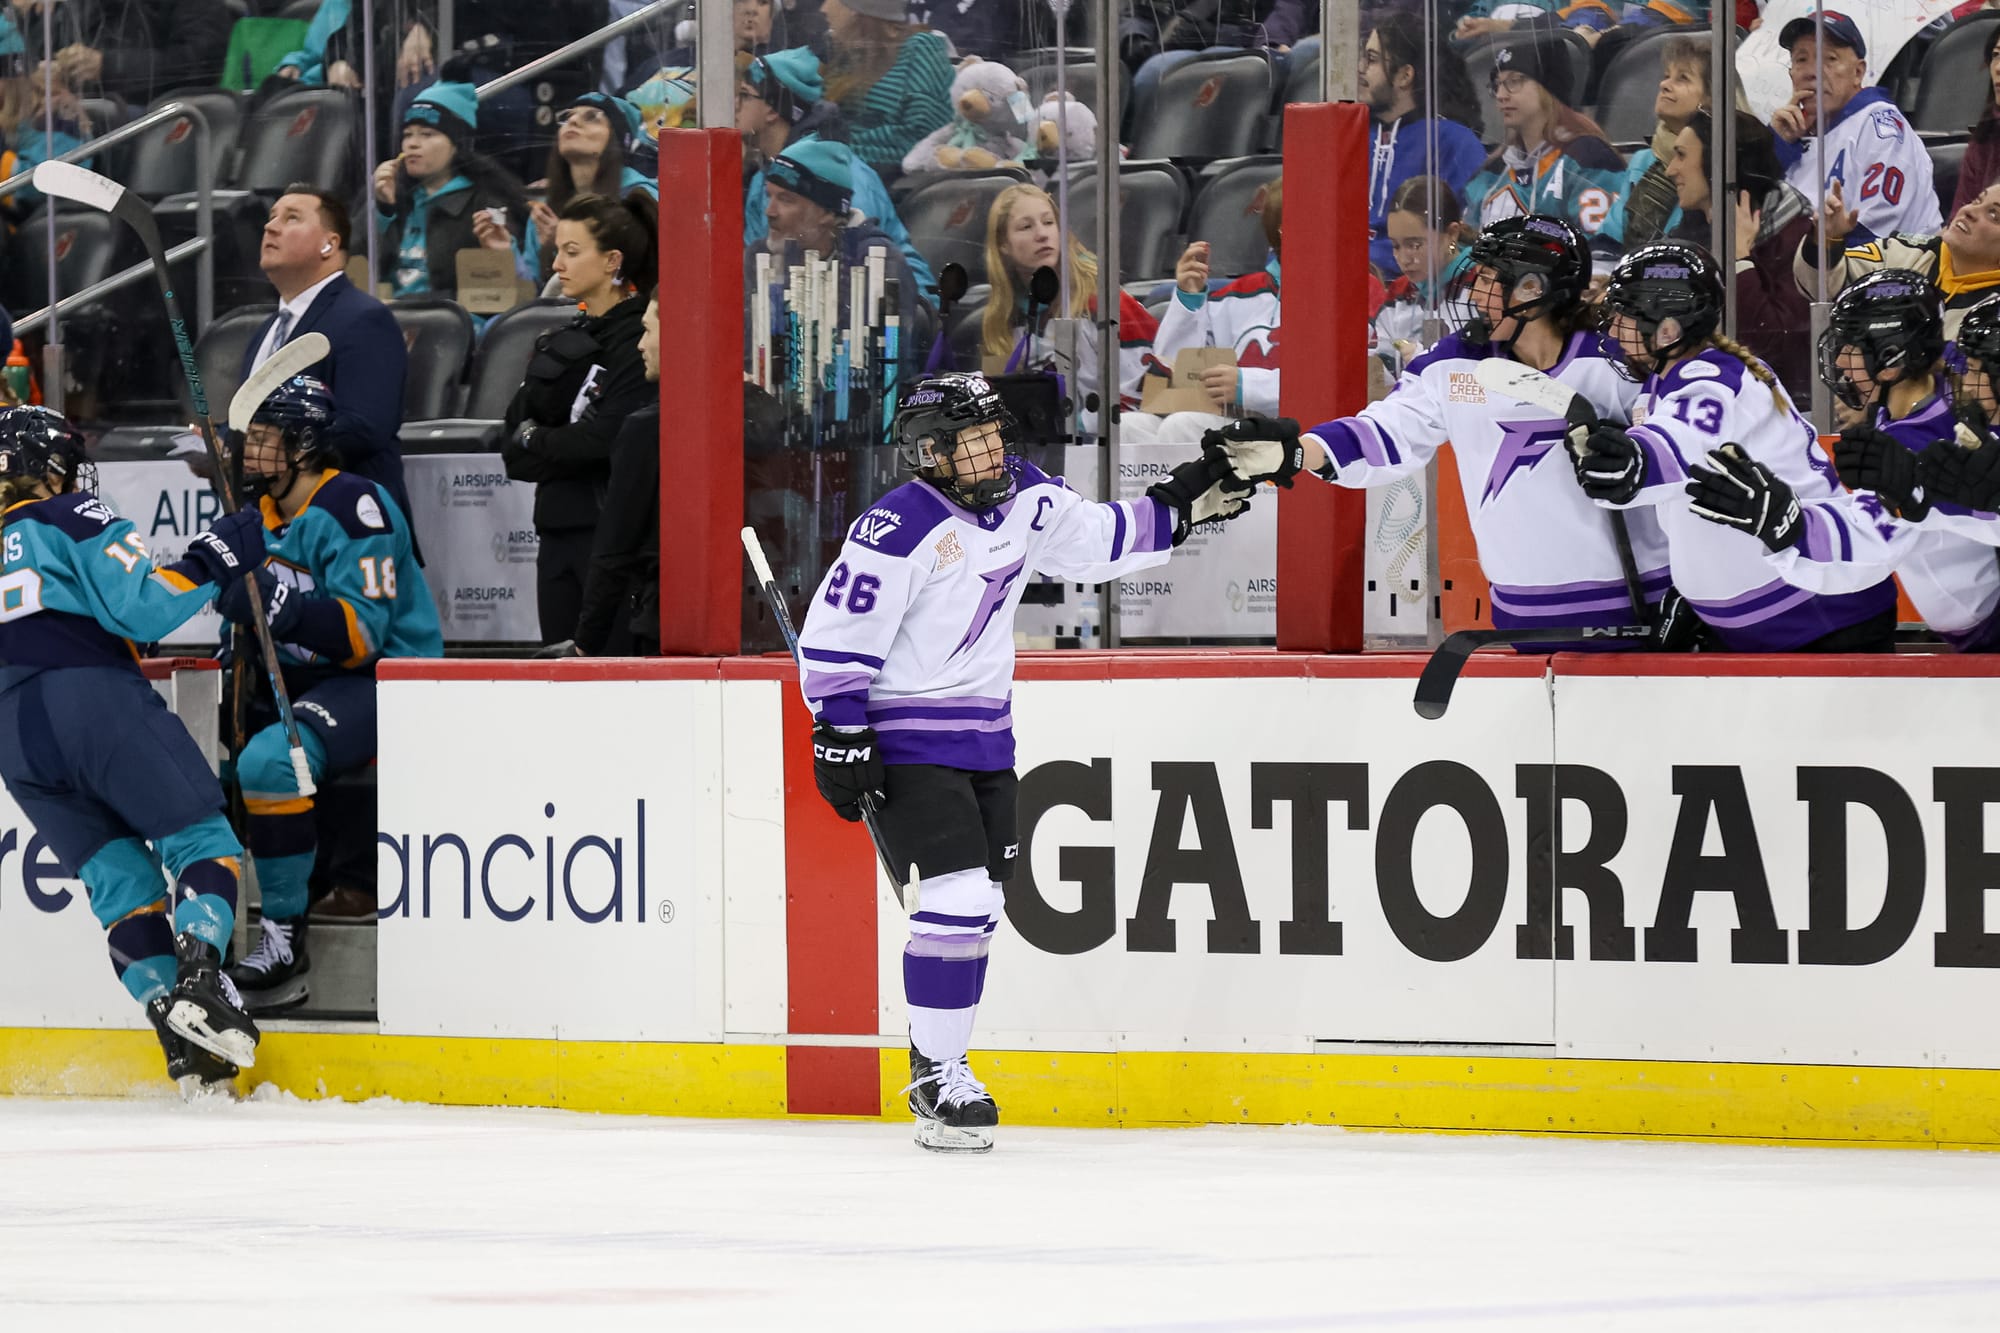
(308, 349)
(1441, 673)
(907, 890)
(1539, 389)
(66, 180)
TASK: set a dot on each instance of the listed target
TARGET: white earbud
(326, 249)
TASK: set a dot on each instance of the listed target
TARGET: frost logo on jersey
(998, 583)
(1522, 445)
(875, 525)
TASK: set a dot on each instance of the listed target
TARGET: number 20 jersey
(912, 630)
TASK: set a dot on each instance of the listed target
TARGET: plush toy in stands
(665, 101)
(993, 122)
(1082, 125)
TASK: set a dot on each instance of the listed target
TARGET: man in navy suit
(305, 256)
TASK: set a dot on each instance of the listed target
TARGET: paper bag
(487, 284)
(1160, 396)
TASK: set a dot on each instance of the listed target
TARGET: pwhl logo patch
(876, 525)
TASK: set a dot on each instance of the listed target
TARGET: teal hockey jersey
(347, 555)
(77, 588)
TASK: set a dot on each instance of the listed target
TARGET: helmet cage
(932, 424)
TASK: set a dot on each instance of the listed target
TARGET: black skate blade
(190, 1022)
(936, 1136)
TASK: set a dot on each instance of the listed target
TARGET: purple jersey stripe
(820, 684)
(1001, 723)
(941, 701)
(840, 657)
(1117, 531)
(945, 919)
(980, 751)
(1798, 623)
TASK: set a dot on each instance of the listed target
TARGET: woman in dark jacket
(583, 381)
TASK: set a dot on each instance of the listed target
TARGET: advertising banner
(1223, 581)
(549, 859)
(478, 533)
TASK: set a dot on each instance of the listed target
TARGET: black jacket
(570, 461)
(624, 578)
(148, 46)
(448, 228)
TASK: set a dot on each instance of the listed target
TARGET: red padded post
(1321, 529)
(701, 392)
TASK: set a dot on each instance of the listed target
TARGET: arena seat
(1039, 69)
(1952, 86)
(1214, 105)
(1632, 86)
(499, 364)
(1227, 213)
(1946, 160)
(162, 161)
(219, 351)
(946, 216)
(312, 134)
(439, 335)
(1153, 195)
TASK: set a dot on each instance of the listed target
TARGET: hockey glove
(231, 547)
(847, 765)
(1258, 449)
(282, 607)
(1677, 629)
(1870, 460)
(1609, 465)
(1953, 474)
(1740, 493)
(1201, 490)
(567, 648)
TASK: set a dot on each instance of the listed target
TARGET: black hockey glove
(1609, 465)
(231, 547)
(847, 765)
(1201, 490)
(1870, 460)
(1676, 627)
(282, 605)
(1740, 493)
(1953, 474)
(1258, 449)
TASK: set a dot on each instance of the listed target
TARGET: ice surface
(378, 1217)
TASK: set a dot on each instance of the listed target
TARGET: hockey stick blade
(1525, 384)
(1441, 673)
(308, 349)
(67, 180)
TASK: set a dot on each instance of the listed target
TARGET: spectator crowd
(908, 165)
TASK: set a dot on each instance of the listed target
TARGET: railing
(605, 35)
(202, 247)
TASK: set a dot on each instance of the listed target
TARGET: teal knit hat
(624, 117)
(789, 80)
(823, 172)
(449, 106)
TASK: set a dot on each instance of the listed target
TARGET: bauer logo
(570, 865)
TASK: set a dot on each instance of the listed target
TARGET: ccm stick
(906, 889)
(1527, 385)
(66, 180)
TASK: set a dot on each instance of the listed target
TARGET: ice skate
(200, 1075)
(273, 976)
(205, 1008)
(953, 1109)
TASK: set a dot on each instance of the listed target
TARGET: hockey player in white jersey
(1883, 350)
(1547, 551)
(1871, 150)
(907, 656)
(1701, 392)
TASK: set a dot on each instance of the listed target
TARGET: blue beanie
(14, 62)
(624, 117)
(822, 172)
(789, 80)
(450, 108)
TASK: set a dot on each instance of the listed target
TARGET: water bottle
(1089, 617)
(20, 373)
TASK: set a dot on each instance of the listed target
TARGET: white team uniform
(1544, 547)
(1947, 562)
(1883, 170)
(912, 630)
(1711, 399)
